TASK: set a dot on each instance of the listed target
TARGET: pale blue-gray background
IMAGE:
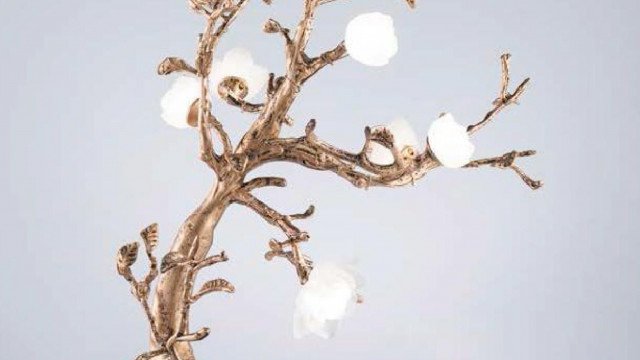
(466, 265)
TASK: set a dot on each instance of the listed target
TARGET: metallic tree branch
(168, 316)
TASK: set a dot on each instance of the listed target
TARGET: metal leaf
(173, 64)
(214, 286)
(171, 260)
(127, 255)
(150, 237)
(271, 26)
(275, 245)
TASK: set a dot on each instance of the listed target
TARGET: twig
(327, 58)
(243, 105)
(507, 161)
(273, 26)
(264, 182)
(224, 137)
(504, 97)
(284, 222)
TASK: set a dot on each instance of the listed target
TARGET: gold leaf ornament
(271, 27)
(127, 256)
(150, 237)
(215, 286)
(173, 64)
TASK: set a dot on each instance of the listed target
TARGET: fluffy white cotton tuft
(371, 40)
(177, 101)
(403, 136)
(325, 299)
(239, 63)
(450, 142)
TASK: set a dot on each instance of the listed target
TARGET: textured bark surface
(168, 316)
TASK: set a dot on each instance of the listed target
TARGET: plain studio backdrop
(467, 264)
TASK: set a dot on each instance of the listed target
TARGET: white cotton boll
(177, 101)
(239, 63)
(325, 299)
(403, 135)
(450, 142)
(370, 39)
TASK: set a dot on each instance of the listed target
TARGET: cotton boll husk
(238, 62)
(403, 135)
(329, 291)
(177, 101)
(304, 325)
(450, 142)
(370, 39)
(325, 299)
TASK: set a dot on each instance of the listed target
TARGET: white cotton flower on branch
(450, 142)
(403, 136)
(237, 63)
(328, 296)
(176, 103)
(370, 39)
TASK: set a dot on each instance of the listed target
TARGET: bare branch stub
(196, 336)
(314, 65)
(264, 182)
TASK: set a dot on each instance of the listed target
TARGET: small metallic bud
(233, 86)
(271, 26)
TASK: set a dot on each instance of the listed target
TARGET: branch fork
(507, 161)
(294, 235)
(505, 98)
(127, 256)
